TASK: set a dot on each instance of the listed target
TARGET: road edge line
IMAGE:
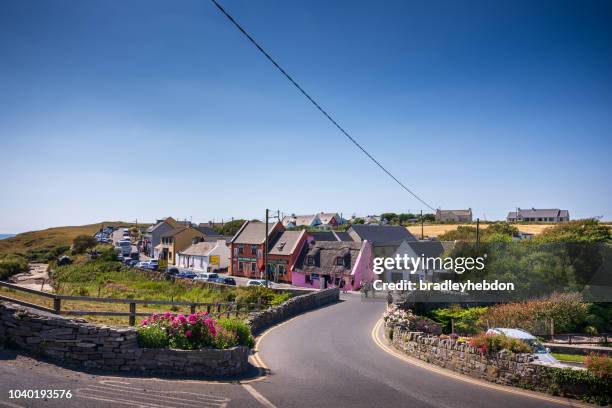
(448, 373)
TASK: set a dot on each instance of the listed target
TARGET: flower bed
(193, 332)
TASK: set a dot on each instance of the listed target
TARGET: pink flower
(211, 326)
(144, 322)
(182, 318)
(193, 319)
(167, 315)
(188, 333)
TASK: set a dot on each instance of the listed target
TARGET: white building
(431, 272)
(205, 256)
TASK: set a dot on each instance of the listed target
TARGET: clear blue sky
(143, 109)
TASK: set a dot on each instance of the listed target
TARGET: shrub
(82, 243)
(192, 332)
(491, 343)
(566, 309)
(599, 365)
(11, 265)
(582, 384)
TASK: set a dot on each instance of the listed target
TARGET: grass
(52, 237)
(111, 279)
(576, 358)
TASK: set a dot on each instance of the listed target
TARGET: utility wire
(327, 115)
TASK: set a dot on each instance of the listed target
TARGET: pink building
(324, 264)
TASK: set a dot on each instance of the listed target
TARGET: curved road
(324, 358)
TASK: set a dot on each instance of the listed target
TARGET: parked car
(142, 265)
(133, 262)
(225, 280)
(153, 264)
(186, 275)
(256, 282)
(541, 353)
(171, 270)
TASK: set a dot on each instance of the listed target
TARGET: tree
(391, 218)
(82, 243)
(231, 228)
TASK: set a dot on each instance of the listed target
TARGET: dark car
(186, 275)
(172, 271)
(224, 280)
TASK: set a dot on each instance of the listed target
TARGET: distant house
(247, 248)
(294, 221)
(153, 234)
(174, 241)
(329, 220)
(205, 256)
(383, 238)
(454, 215)
(431, 272)
(333, 263)
(538, 215)
(372, 219)
(283, 253)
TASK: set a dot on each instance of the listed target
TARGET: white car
(142, 265)
(257, 282)
(540, 352)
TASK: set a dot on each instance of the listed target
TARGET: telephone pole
(265, 254)
(477, 234)
(422, 227)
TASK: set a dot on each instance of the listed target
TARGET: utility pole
(265, 252)
(422, 227)
(278, 215)
(477, 234)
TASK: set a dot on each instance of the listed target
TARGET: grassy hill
(52, 237)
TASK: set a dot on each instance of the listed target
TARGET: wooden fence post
(193, 309)
(57, 305)
(132, 314)
(208, 309)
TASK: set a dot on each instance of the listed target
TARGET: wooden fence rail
(215, 309)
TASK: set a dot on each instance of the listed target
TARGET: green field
(577, 358)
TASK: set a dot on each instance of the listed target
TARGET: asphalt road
(325, 358)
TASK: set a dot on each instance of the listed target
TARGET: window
(240, 249)
(307, 279)
(340, 261)
(240, 266)
(310, 260)
(271, 268)
(254, 249)
(281, 270)
(253, 267)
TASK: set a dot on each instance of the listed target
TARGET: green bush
(242, 330)
(491, 343)
(153, 337)
(582, 384)
(82, 243)
(11, 265)
(467, 321)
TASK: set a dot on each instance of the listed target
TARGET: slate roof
(323, 236)
(343, 236)
(539, 213)
(174, 231)
(429, 249)
(199, 249)
(324, 254)
(380, 234)
(286, 244)
(252, 232)
(208, 231)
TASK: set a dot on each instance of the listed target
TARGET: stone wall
(263, 319)
(503, 367)
(76, 341)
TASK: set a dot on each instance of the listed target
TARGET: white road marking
(123, 393)
(260, 398)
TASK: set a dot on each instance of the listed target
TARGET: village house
(283, 253)
(538, 215)
(333, 263)
(153, 234)
(294, 221)
(247, 248)
(454, 215)
(174, 241)
(329, 220)
(383, 238)
(205, 256)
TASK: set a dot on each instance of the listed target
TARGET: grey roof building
(538, 215)
(454, 215)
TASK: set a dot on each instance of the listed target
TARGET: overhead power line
(323, 111)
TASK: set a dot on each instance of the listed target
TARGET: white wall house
(205, 256)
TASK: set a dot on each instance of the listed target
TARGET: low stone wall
(503, 367)
(76, 341)
(261, 320)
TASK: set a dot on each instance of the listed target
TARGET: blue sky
(143, 109)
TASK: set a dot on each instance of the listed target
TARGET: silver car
(541, 353)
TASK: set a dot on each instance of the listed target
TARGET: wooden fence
(215, 309)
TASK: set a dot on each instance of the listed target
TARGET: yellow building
(175, 240)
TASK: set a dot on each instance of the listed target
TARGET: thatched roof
(322, 257)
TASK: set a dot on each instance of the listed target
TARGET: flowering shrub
(195, 331)
(395, 316)
(490, 343)
(599, 365)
